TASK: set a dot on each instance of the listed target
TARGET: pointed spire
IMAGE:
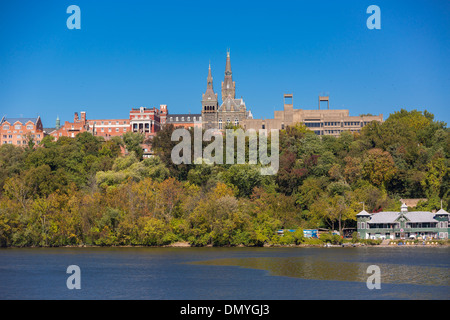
(228, 86)
(209, 95)
(210, 78)
(228, 65)
(58, 123)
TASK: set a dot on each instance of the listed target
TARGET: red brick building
(18, 131)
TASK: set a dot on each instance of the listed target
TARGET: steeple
(228, 85)
(58, 123)
(210, 79)
(228, 65)
(209, 98)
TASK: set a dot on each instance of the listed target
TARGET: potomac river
(226, 273)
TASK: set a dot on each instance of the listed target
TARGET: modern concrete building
(322, 122)
(403, 224)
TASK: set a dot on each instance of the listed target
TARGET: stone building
(232, 111)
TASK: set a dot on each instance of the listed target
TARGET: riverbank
(315, 244)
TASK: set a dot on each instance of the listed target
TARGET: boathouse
(403, 225)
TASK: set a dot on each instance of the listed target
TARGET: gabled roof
(363, 214)
(392, 217)
(384, 217)
(21, 120)
(420, 216)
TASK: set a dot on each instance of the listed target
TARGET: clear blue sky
(145, 53)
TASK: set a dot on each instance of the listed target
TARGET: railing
(399, 230)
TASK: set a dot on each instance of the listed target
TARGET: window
(363, 225)
(6, 127)
(18, 127)
(263, 126)
(30, 127)
(19, 137)
(117, 129)
(220, 124)
(109, 130)
(236, 122)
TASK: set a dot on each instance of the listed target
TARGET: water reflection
(318, 269)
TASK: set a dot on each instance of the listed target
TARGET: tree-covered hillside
(82, 190)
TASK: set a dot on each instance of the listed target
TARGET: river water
(226, 273)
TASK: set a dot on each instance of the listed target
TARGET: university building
(326, 122)
(234, 111)
(403, 224)
(214, 115)
(18, 131)
(143, 120)
(231, 111)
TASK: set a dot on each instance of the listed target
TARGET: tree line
(84, 191)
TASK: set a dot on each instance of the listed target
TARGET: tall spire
(209, 95)
(228, 85)
(228, 65)
(210, 78)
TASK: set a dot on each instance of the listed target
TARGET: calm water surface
(225, 273)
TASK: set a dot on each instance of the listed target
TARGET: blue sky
(145, 53)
